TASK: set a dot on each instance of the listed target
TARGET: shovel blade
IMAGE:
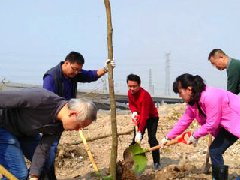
(140, 163)
(136, 149)
(136, 157)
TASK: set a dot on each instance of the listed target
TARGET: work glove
(134, 115)
(138, 137)
(192, 140)
(164, 141)
(134, 118)
(111, 62)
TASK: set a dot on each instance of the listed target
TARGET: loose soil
(178, 161)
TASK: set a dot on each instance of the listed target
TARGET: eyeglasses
(75, 69)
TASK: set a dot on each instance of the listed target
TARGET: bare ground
(177, 161)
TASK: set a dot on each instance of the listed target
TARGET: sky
(37, 35)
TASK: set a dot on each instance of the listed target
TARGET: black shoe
(220, 172)
(156, 166)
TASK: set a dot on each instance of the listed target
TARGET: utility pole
(167, 74)
(150, 85)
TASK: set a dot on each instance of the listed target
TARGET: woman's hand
(192, 140)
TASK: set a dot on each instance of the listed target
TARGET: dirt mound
(186, 171)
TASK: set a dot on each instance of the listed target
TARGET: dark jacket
(29, 112)
(58, 77)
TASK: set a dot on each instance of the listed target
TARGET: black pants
(152, 125)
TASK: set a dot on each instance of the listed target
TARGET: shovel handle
(178, 139)
(207, 164)
(88, 152)
(6, 173)
(174, 141)
(154, 148)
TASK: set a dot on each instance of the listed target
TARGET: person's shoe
(156, 166)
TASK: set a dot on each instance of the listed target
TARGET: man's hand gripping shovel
(135, 155)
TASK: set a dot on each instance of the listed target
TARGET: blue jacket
(55, 81)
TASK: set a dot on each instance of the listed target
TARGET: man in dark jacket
(62, 80)
(26, 113)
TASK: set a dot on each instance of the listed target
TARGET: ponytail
(198, 87)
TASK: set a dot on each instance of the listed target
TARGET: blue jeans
(12, 152)
(223, 140)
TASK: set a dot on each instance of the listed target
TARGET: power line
(167, 74)
(150, 85)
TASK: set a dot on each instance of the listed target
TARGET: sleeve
(48, 83)
(182, 124)
(213, 113)
(41, 154)
(233, 80)
(144, 113)
(87, 76)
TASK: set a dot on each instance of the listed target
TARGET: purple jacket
(222, 109)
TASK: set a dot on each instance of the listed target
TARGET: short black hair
(134, 77)
(73, 57)
(214, 52)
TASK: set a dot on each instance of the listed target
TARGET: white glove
(192, 140)
(164, 141)
(111, 62)
(134, 115)
(134, 118)
(138, 137)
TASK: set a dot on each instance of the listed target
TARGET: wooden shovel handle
(207, 164)
(154, 148)
(88, 151)
(173, 141)
(6, 173)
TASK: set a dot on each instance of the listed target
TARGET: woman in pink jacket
(218, 113)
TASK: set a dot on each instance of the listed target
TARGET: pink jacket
(222, 109)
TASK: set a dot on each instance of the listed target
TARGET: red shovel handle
(182, 137)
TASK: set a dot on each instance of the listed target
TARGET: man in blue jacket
(62, 80)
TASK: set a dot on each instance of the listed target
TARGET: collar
(229, 61)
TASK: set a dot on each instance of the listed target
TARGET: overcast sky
(36, 35)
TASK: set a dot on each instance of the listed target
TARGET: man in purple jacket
(62, 80)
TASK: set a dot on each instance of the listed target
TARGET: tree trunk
(113, 166)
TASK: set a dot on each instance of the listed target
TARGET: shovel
(89, 152)
(92, 159)
(135, 155)
(207, 164)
